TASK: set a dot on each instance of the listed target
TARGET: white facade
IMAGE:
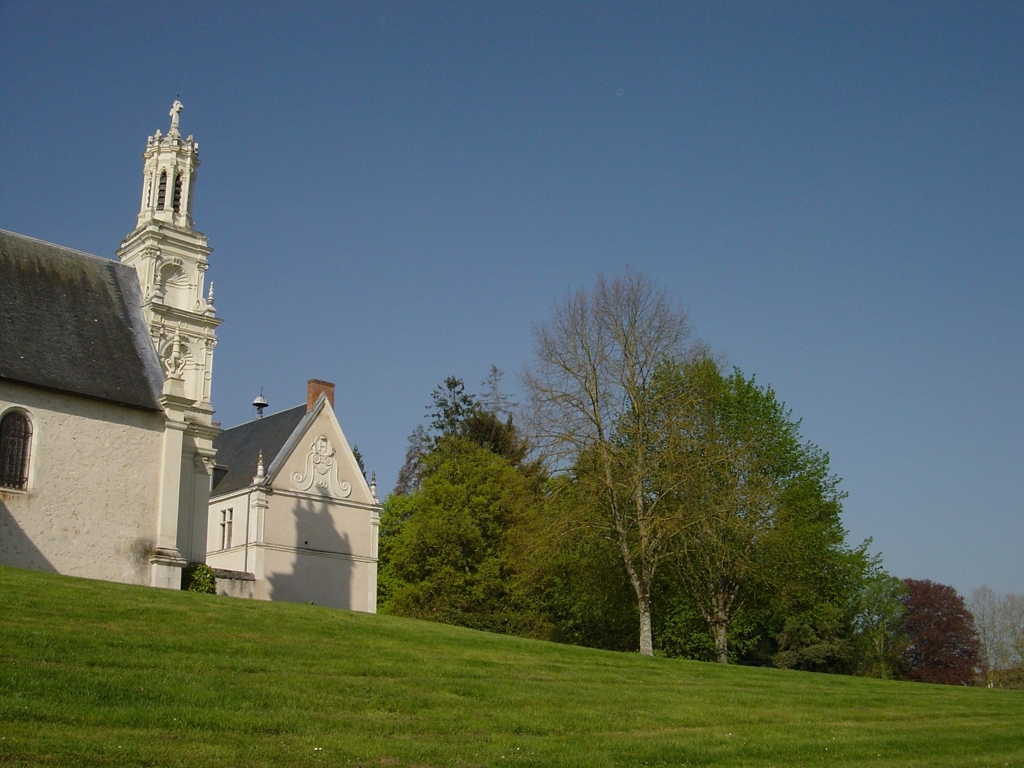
(94, 473)
(306, 526)
(170, 258)
(118, 484)
(117, 401)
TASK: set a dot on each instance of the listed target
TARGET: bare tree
(592, 379)
(999, 620)
(1012, 626)
(411, 473)
(985, 607)
(493, 398)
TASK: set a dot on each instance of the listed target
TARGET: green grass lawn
(108, 675)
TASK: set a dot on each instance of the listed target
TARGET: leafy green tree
(449, 551)
(760, 514)
(398, 509)
(457, 413)
(452, 408)
(878, 624)
(812, 579)
(573, 574)
(452, 535)
(705, 474)
(818, 640)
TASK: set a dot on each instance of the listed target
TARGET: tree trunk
(646, 636)
(719, 630)
(642, 589)
(718, 615)
(640, 579)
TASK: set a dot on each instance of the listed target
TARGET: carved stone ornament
(175, 354)
(204, 464)
(321, 471)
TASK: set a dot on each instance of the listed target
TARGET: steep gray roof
(239, 448)
(73, 322)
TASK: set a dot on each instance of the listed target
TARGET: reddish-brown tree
(942, 644)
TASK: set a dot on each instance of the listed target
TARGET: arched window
(15, 438)
(161, 193)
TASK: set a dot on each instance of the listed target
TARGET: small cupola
(260, 403)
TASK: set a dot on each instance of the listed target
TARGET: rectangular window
(226, 522)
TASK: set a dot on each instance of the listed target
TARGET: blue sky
(399, 192)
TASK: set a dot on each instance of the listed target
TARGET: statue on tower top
(176, 108)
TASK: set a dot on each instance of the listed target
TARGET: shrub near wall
(198, 577)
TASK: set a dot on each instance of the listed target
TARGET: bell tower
(170, 257)
(169, 173)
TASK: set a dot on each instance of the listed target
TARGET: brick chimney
(314, 387)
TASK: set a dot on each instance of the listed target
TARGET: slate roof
(73, 322)
(238, 448)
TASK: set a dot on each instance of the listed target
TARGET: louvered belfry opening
(15, 435)
(177, 193)
(161, 193)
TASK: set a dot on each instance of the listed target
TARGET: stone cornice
(169, 234)
(300, 550)
(335, 500)
(174, 314)
(167, 556)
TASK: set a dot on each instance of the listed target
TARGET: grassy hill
(108, 675)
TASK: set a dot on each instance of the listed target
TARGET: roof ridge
(265, 417)
(75, 251)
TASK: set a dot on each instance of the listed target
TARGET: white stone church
(111, 465)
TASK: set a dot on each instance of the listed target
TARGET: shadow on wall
(16, 548)
(70, 405)
(317, 574)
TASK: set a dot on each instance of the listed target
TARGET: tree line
(645, 497)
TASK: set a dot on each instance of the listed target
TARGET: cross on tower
(176, 108)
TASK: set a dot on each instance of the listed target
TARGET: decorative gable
(318, 460)
(321, 472)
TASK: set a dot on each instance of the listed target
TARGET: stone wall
(90, 509)
(234, 583)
